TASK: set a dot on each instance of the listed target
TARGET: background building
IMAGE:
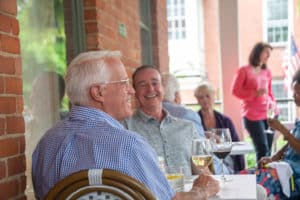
(226, 31)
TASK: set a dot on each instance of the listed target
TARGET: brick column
(12, 128)
(159, 34)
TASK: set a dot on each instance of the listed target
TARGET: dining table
(241, 148)
(240, 187)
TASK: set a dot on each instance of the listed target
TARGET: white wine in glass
(201, 153)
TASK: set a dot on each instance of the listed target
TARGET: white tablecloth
(241, 148)
(241, 187)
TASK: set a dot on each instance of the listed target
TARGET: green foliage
(42, 38)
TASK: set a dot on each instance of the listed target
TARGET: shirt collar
(145, 118)
(90, 113)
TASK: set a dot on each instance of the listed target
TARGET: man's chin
(126, 115)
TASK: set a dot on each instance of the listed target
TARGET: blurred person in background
(205, 95)
(280, 173)
(172, 102)
(252, 84)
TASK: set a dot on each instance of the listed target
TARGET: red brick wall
(12, 128)
(102, 19)
(160, 34)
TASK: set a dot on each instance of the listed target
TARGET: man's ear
(96, 93)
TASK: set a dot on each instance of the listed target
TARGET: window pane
(285, 33)
(176, 15)
(284, 101)
(183, 34)
(145, 31)
(277, 20)
(146, 46)
(270, 35)
(277, 34)
(145, 12)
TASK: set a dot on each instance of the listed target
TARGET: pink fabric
(244, 86)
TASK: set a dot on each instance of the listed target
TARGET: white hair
(84, 70)
(171, 86)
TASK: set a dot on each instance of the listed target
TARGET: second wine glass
(221, 144)
(270, 114)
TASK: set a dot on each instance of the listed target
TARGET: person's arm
(277, 156)
(292, 140)
(237, 86)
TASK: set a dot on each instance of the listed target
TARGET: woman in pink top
(252, 84)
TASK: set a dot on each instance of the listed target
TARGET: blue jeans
(261, 140)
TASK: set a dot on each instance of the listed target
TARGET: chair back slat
(97, 184)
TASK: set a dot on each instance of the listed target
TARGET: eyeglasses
(125, 82)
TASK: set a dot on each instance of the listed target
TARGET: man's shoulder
(179, 122)
(177, 110)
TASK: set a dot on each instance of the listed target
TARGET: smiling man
(171, 137)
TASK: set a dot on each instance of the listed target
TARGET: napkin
(284, 172)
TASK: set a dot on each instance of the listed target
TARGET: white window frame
(277, 23)
(179, 32)
(285, 103)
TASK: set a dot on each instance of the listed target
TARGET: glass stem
(223, 176)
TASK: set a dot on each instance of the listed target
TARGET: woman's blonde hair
(204, 86)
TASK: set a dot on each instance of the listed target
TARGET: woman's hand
(261, 91)
(264, 161)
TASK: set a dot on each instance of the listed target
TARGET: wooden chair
(99, 184)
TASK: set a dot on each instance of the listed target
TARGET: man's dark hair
(141, 68)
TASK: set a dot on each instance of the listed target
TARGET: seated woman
(290, 154)
(213, 119)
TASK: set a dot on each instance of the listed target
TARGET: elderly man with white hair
(172, 101)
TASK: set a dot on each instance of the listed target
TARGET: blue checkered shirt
(87, 139)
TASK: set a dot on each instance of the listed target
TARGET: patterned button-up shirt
(87, 139)
(171, 138)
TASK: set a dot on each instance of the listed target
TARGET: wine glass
(270, 114)
(201, 153)
(221, 145)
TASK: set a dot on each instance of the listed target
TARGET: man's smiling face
(148, 89)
